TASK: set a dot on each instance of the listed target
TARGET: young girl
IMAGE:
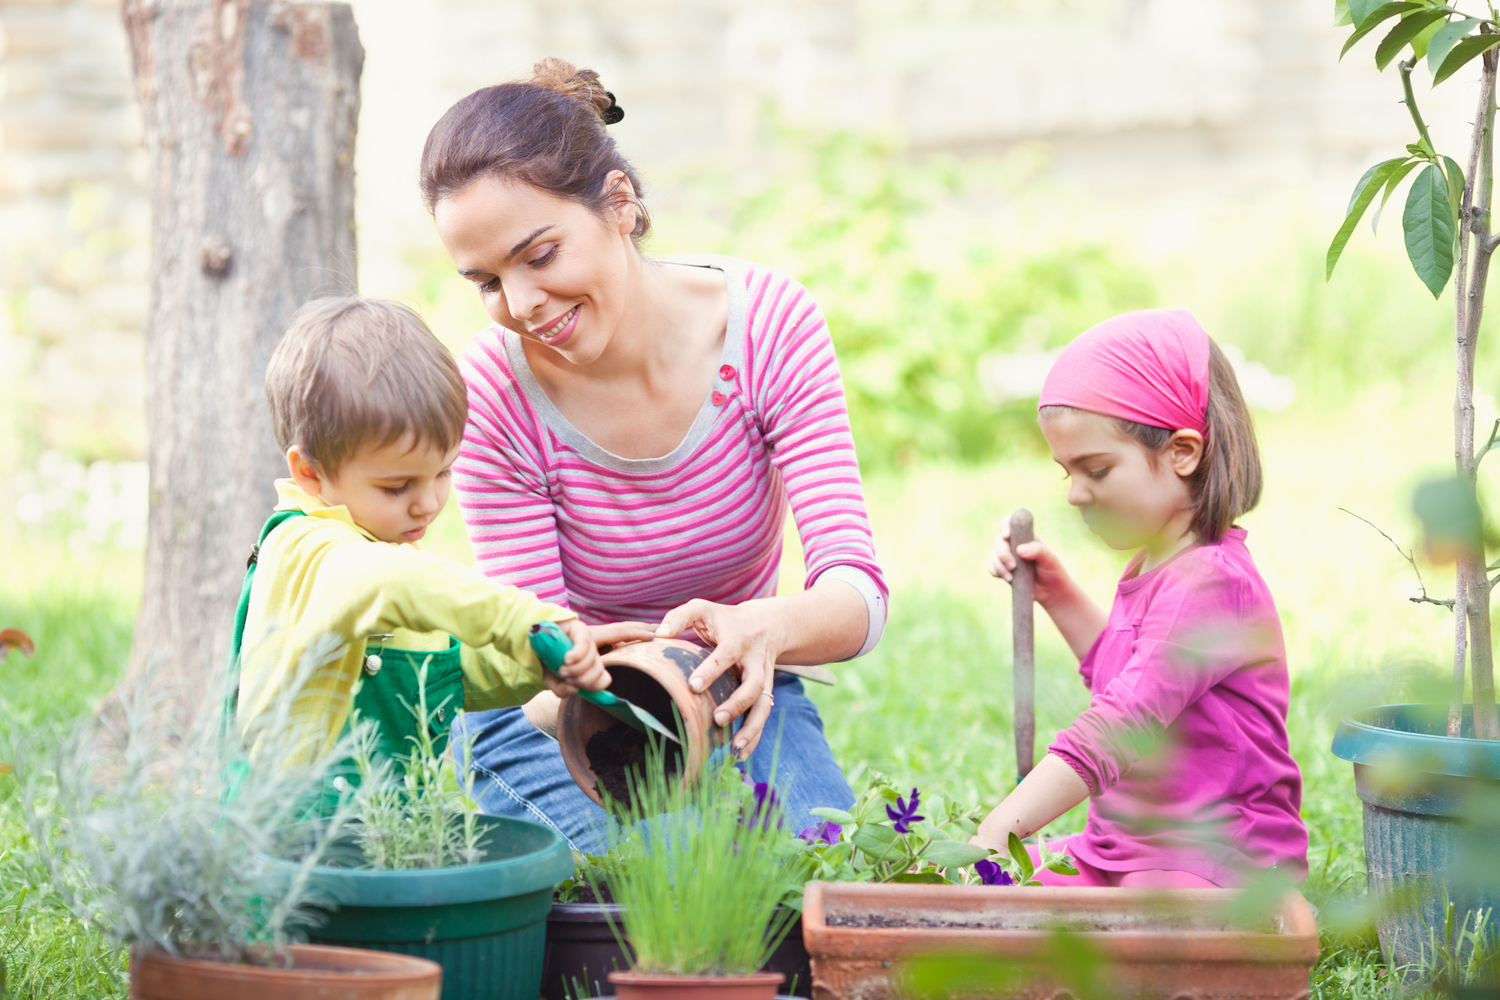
(1183, 746)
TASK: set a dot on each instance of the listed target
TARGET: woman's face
(552, 270)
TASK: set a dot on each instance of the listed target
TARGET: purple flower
(992, 874)
(766, 808)
(828, 833)
(904, 814)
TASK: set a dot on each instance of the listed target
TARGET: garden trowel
(551, 645)
(1023, 645)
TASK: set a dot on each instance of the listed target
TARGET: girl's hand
(743, 634)
(582, 667)
(1053, 584)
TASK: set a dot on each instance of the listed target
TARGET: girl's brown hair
(547, 132)
(1227, 483)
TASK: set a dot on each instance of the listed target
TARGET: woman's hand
(742, 633)
(1074, 613)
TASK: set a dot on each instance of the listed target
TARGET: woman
(637, 430)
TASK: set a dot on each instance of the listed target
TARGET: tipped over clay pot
(653, 675)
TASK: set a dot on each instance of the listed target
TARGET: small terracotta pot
(316, 973)
(652, 675)
(648, 986)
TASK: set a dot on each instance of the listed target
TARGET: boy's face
(393, 491)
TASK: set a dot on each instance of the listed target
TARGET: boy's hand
(1052, 580)
(582, 667)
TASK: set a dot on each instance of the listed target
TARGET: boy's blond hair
(352, 372)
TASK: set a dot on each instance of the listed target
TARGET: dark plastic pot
(485, 924)
(582, 952)
(1432, 819)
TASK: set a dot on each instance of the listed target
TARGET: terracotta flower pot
(1175, 943)
(652, 675)
(648, 986)
(316, 973)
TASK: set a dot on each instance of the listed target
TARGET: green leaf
(1402, 34)
(1449, 512)
(1392, 182)
(1424, 39)
(930, 878)
(1429, 230)
(1455, 177)
(1361, 10)
(944, 853)
(1447, 36)
(1381, 14)
(1341, 13)
(1062, 866)
(1465, 50)
(838, 816)
(1364, 192)
(1021, 858)
(875, 839)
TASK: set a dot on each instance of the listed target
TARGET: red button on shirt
(719, 398)
(726, 372)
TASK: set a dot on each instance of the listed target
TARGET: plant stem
(1411, 101)
(1472, 604)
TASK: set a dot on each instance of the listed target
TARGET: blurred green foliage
(846, 213)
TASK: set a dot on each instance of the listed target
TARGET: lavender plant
(425, 816)
(163, 836)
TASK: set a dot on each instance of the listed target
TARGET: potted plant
(1424, 772)
(703, 869)
(421, 872)
(163, 839)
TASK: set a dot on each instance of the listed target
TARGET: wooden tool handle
(1023, 645)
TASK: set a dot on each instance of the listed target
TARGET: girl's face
(1128, 496)
(552, 270)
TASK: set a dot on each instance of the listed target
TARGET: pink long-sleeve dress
(1184, 743)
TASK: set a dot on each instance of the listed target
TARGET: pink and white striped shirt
(621, 539)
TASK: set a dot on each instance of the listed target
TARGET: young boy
(369, 408)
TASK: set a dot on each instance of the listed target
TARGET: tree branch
(1409, 556)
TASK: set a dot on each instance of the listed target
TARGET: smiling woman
(638, 429)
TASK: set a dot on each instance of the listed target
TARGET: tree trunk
(251, 109)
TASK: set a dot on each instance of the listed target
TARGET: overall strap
(232, 696)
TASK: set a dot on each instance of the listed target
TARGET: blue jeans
(519, 771)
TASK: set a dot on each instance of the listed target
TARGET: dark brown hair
(352, 372)
(1227, 483)
(547, 131)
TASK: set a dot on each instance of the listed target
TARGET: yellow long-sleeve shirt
(322, 575)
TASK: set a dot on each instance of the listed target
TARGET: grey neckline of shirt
(734, 351)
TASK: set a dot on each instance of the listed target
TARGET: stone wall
(1155, 113)
(73, 231)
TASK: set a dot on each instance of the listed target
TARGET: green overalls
(386, 695)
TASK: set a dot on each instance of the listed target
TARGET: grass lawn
(931, 707)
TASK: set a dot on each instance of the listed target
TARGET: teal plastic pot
(485, 924)
(1431, 817)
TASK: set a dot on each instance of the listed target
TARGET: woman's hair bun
(580, 84)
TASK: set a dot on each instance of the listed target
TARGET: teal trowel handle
(551, 645)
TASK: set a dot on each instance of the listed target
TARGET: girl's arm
(1074, 613)
(1051, 789)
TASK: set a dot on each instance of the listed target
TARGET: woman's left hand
(749, 634)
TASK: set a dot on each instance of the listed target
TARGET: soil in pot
(614, 752)
(316, 973)
(1154, 943)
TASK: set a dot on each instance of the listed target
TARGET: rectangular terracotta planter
(1172, 944)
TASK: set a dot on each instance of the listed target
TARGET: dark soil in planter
(616, 751)
(589, 894)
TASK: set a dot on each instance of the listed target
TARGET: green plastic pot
(1431, 818)
(485, 924)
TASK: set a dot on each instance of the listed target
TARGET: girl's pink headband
(1149, 366)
